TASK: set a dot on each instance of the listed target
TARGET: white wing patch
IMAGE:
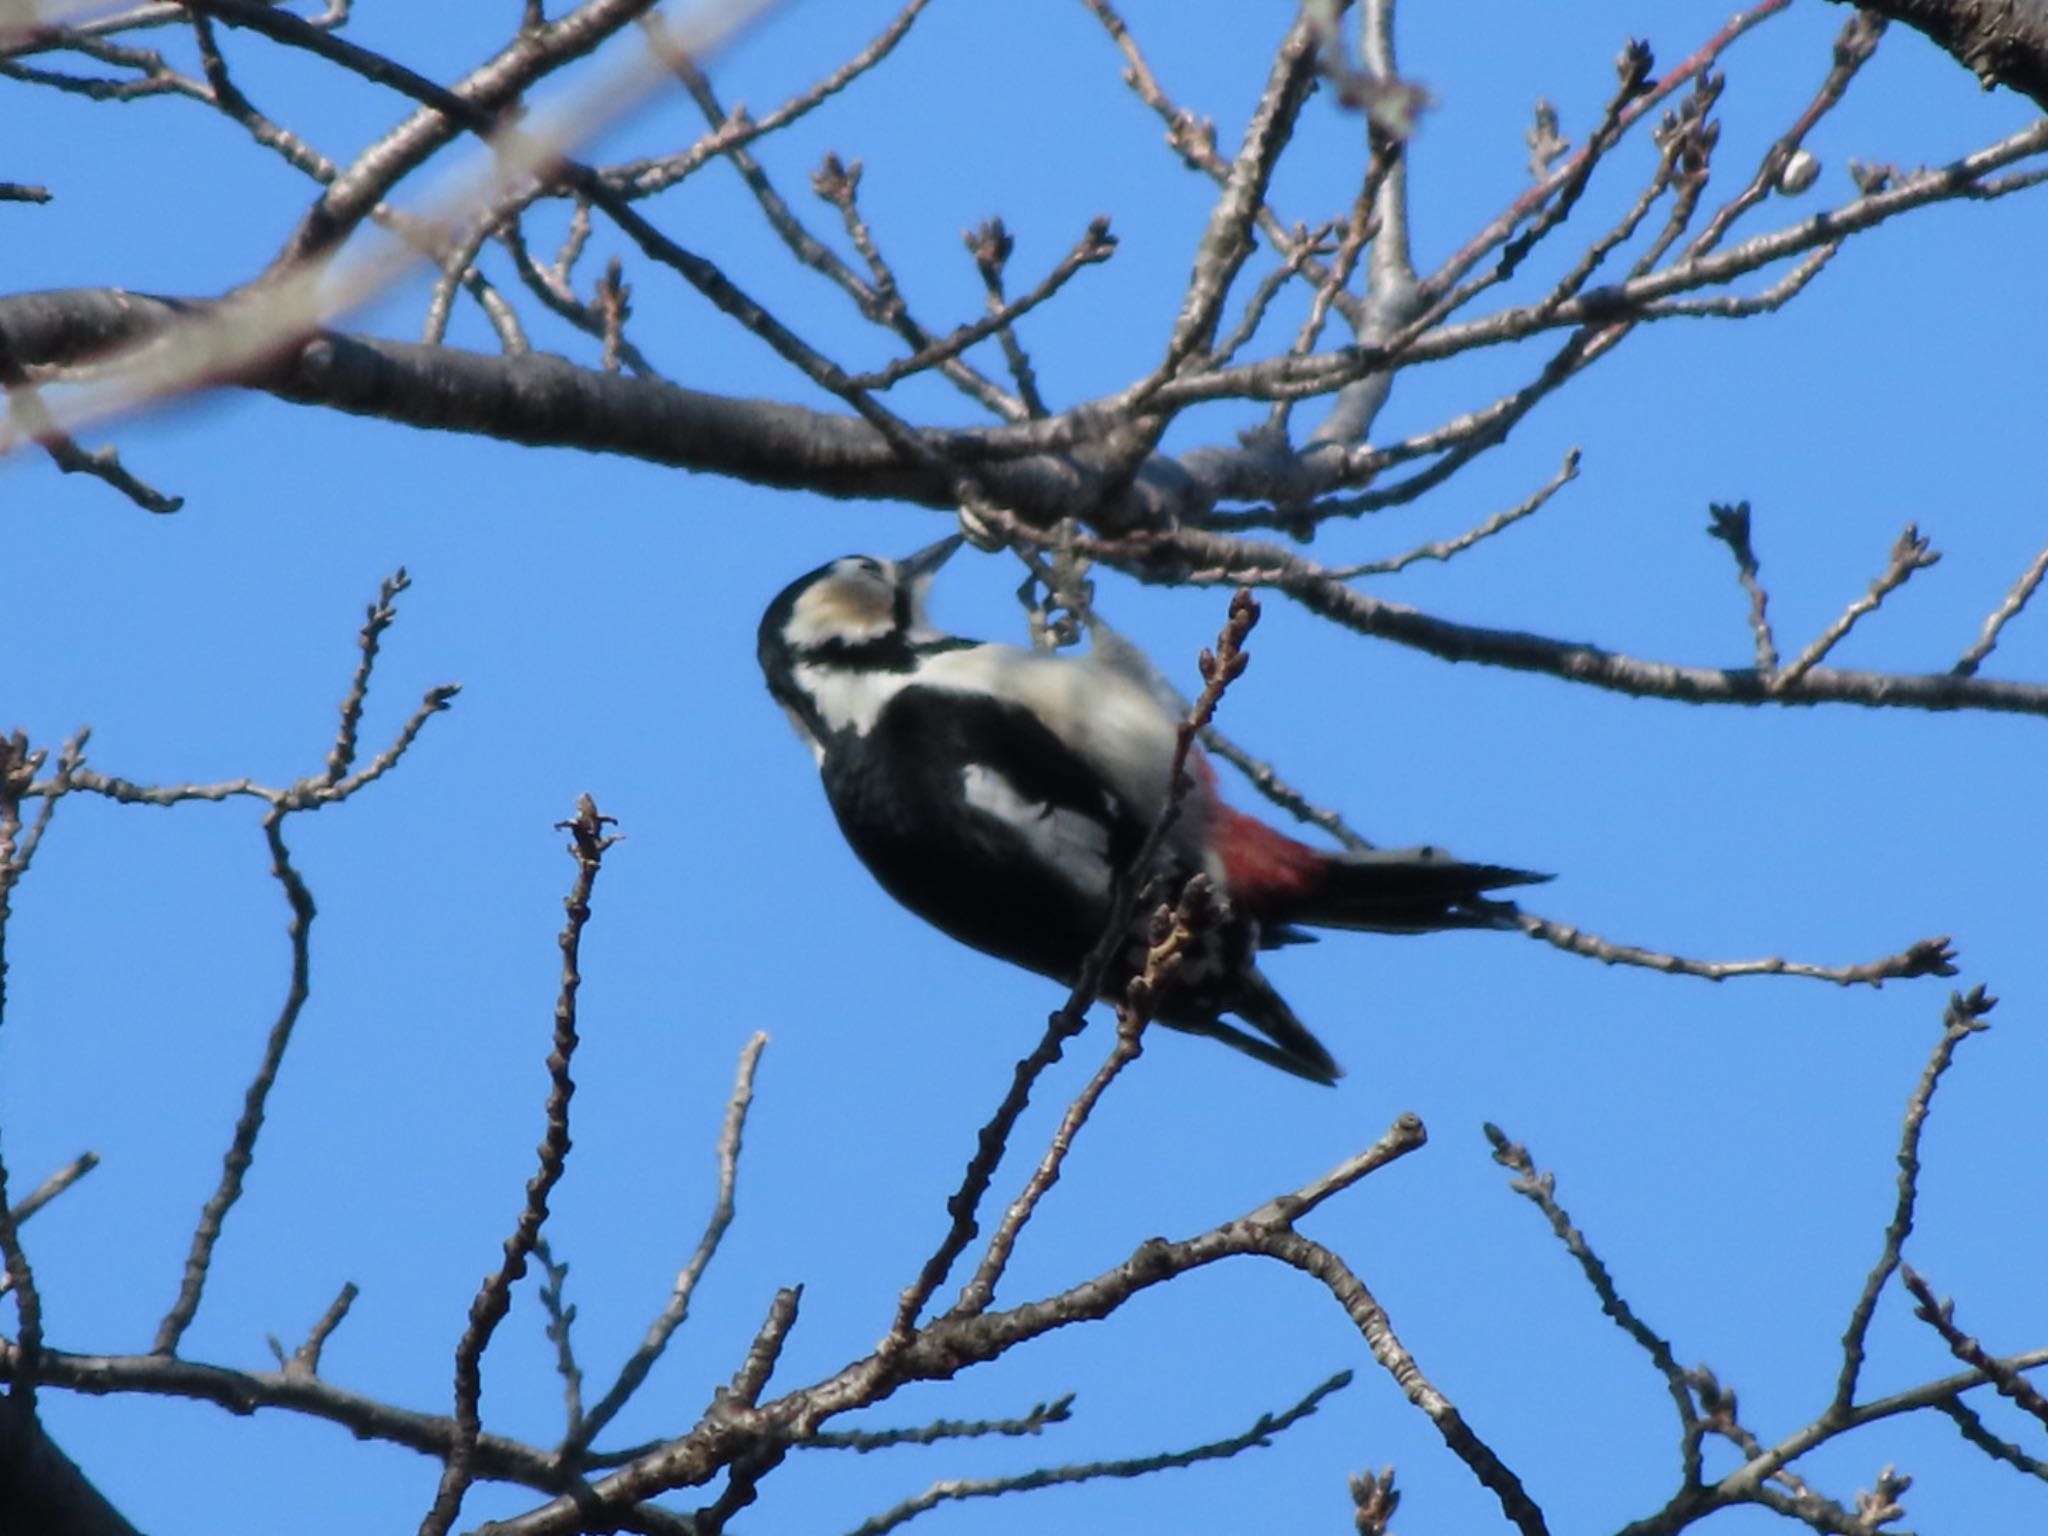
(1073, 844)
(1108, 718)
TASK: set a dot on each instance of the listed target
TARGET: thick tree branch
(2001, 42)
(1042, 470)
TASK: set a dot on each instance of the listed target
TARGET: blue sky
(1727, 1147)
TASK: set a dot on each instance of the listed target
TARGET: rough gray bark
(2001, 42)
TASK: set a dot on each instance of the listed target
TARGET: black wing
(976, 816)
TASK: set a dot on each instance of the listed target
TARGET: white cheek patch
(1073, 845)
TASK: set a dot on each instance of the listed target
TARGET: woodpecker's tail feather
(1288, 1044)
(1405, 890)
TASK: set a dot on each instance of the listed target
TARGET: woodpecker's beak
(921, 565)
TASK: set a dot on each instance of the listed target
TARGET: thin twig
(379, 618)
(990, 245)
(1360, 226)
(303, 795)
(1927, 957)
(677, 1309)
(588, 844)
(35, 422)
(561, 1317)
(241, 1151)
(1854, 45)
(1964, 1017)
(19, 764)
(305, 1360)
(54, 1186)
(1497, 230)
(1910, 553)
(1227, 241)
(1407, 1134)
(1634, 82)
(1440, 297)
(1259, 1436)
(1173, 931)
(743, 1476)
(1940, 1315)
(1307, 245)
(1370, 1318)
(1193, 139)
(1459, 441)
(1058, 1411)
(880, 301)
(642, 177)
(2015, 600)
(1973, 1430)
(1670, 146)
(1540, 1189)
(1730, 524)
(1280, 377)
(1263, 777)
(1445, 549)
(1741, 306)
(550, 284)
(1097, 245)
(424, 235)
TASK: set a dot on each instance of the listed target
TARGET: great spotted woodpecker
(1000, 793)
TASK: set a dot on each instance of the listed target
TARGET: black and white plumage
(999, 794)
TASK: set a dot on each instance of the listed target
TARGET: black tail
(1405, 890)
(1292, 1048)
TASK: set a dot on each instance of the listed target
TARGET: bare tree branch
(945, 1346)
(951, 1490)
(1730, 524)
(305, 1360)
(1058, 1411)
(1998, 42)
(677, 1309)
(1540, 1189)
(1909, 554)
(1964, 1017)
(1939, 1314)
(241, 1151)
(54, 1186)
(2015, 600)
(588, 844)
(1069, 489)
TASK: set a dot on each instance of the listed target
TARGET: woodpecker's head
(834, 642)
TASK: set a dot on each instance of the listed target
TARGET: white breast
(849, 700)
